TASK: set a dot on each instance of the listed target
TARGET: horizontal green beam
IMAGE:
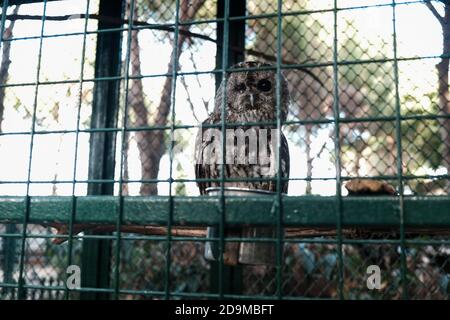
(305, 211)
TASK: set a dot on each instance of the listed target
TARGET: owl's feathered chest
(251, 116)
(250, 152)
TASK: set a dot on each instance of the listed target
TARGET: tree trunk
(151, 142)
(4, 67)
(9, 245)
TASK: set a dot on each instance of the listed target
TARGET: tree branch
(154, 141)
(205, 103)
(5, 63)
(435, 12)
(183, 30)
(189, 99)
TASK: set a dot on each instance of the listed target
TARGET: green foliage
(422, 141)
(143, 266)
(374, 80)
(158, 10)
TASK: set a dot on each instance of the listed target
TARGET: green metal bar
(8, 244)
(124, 137)
(184, 180)
(153, 293)
(171, 156)
(243, 17)
(95, 268)
(337, 152)
(80, 94)
(433, 212)
(278, 204)
(236, 39)
(237, 124)
(21, 292)
(298, 211)
(218, 71)
(398, 137)
(59, 35)
(222, 211)
(158, 26)
(227, 279)
(118, 235)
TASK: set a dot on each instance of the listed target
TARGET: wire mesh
(101, 102)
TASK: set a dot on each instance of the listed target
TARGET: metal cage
(100, 101)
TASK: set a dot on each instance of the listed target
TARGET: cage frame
(399, 211)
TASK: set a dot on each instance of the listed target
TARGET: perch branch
(62, 229)
(289, 233)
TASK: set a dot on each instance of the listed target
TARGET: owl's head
(252, 94)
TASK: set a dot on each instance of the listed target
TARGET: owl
(250, 148)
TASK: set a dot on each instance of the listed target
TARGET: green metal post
(8, 244)
(398, 137)
(232, 276)
(21, 290)
(236, 35)
(337, 152)
(77, 139)
(9, 247)
(278, 203)
(95, 269)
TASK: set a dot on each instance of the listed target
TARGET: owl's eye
(240, 87)
(264, 85)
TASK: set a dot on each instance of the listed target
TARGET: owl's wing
(202, 171)
(285, 163)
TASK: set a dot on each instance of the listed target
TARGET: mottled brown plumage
(250, 97)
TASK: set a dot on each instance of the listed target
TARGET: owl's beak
(252, 100)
